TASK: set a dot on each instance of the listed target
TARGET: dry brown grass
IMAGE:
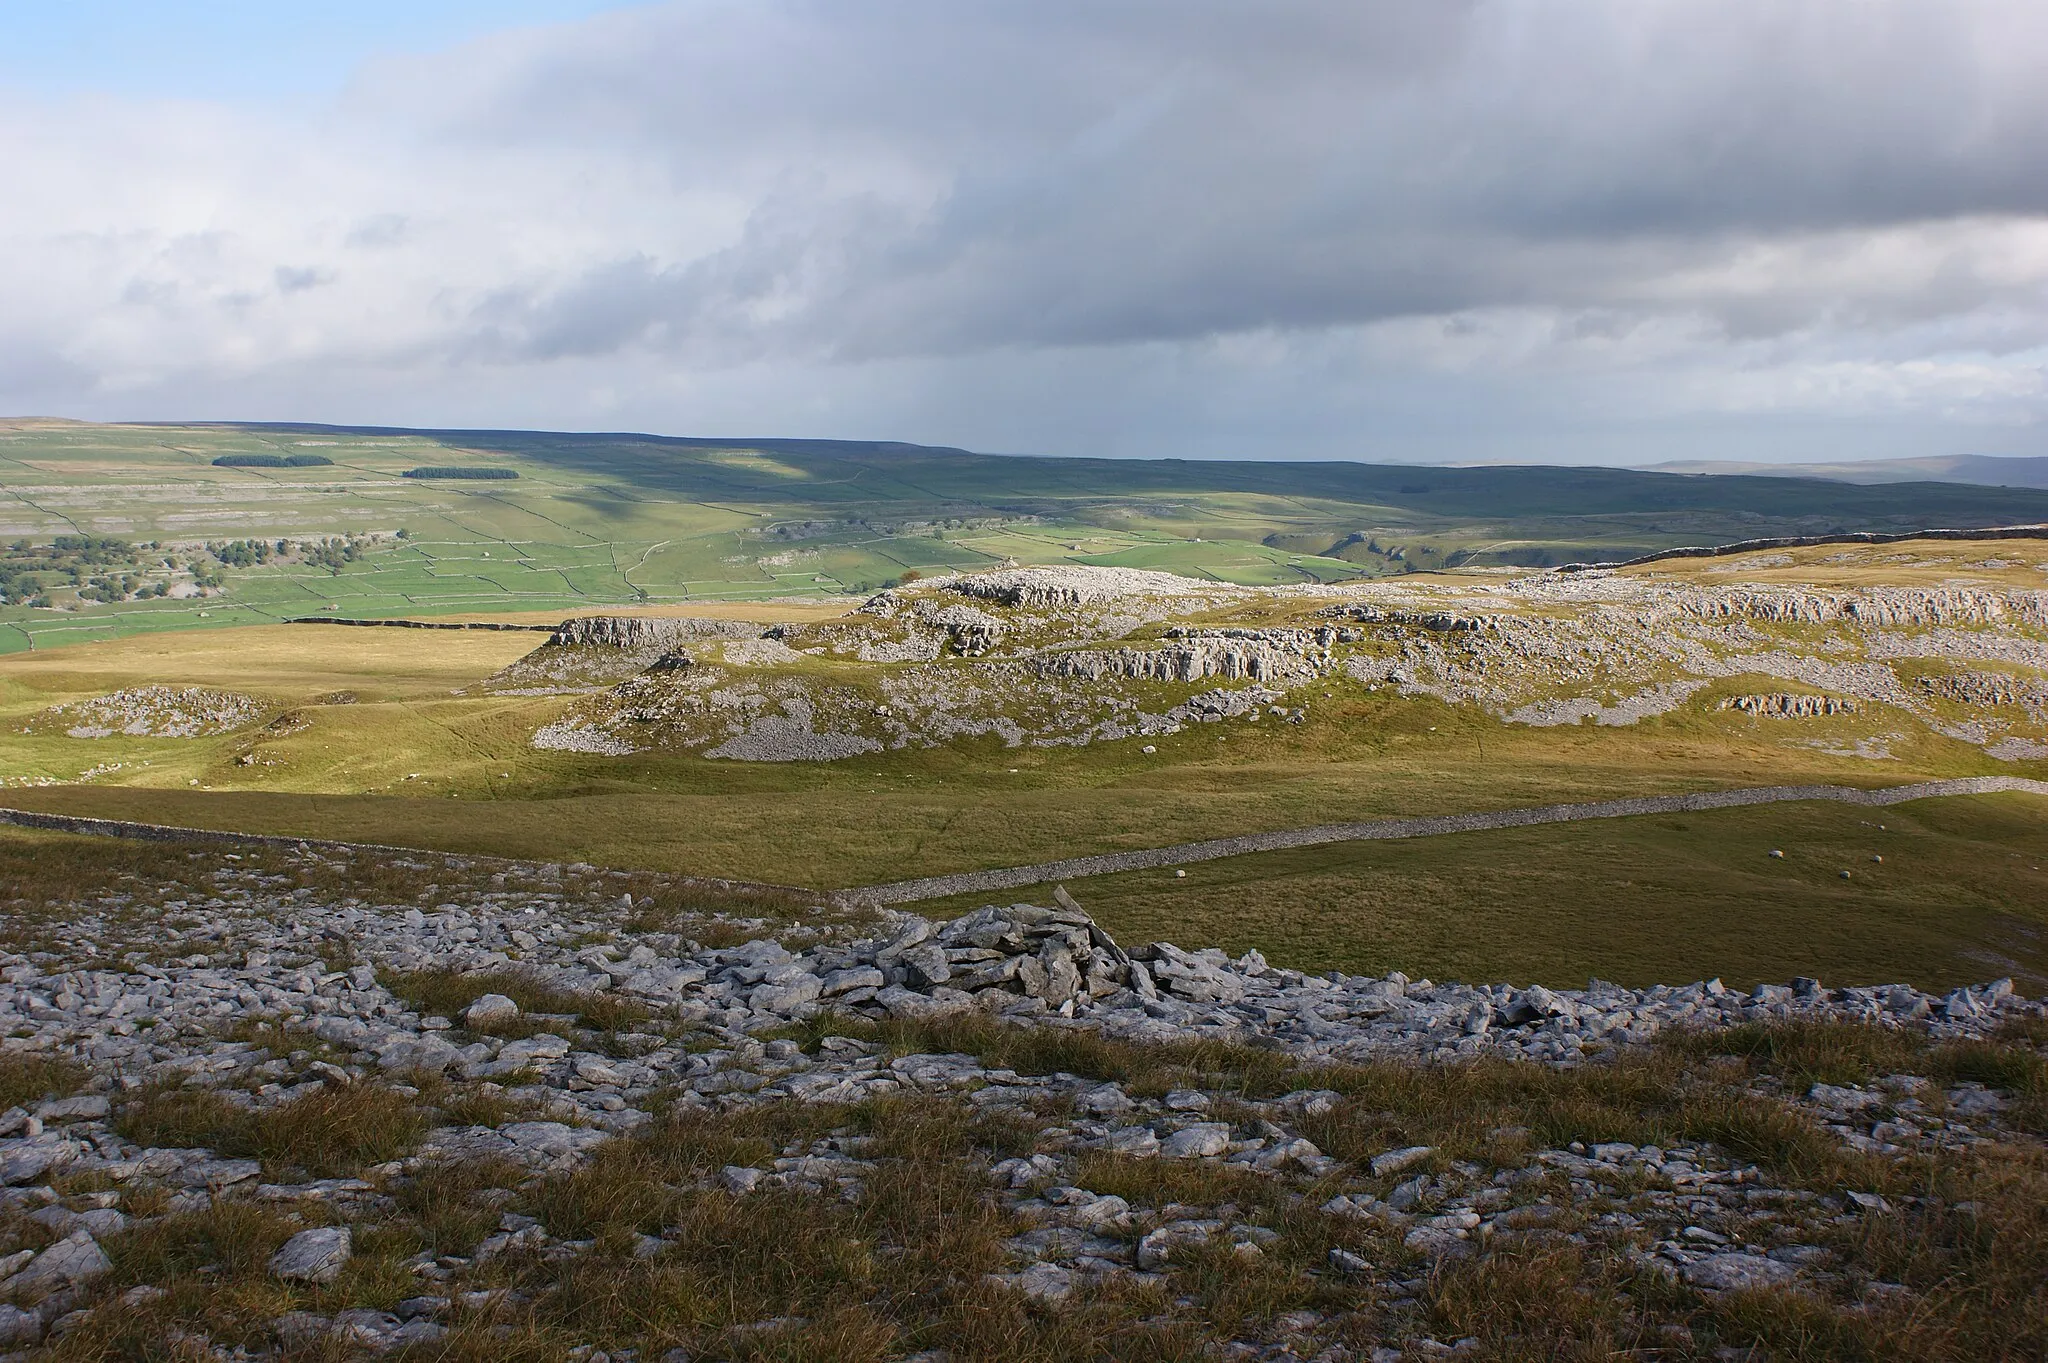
(792, 1275)
(448, 992)
(26, 1079)
(333, 1132)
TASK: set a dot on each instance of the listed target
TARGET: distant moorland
(222, 524)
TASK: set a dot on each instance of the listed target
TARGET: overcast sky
(1570, 230)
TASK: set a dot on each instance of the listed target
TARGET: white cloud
(1125, 226)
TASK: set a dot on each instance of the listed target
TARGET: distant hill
(596, 518)
(1981, 470)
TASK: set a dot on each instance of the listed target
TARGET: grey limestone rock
(1400, 1161)
(1156, 1249)
(72, 1261)
(1738, 1272)
(852, 978)
(19, 1327)
(491, 1010)
(784, 997)
(1199, 1141)
(314, 1256)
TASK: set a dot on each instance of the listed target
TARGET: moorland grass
(1959, 897)
(332, 1132)
(784, 1275)
(448, 992)
(27, 1078)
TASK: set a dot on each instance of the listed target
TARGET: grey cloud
(378, 231)
(1009, 173)
(1135, 226)
(297, 279)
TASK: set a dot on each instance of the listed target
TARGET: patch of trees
(332, 554)
(29, 571)
(243, 553)
(126, 587)
(271, 461)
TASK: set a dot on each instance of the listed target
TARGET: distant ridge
(1982, 470)
(1993, 532)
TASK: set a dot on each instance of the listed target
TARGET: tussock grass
(1811, 1053)
(783, 1274)
(860, 1273)
(231, 1238)
(667, 906)
(1145, 1070)
(26, 1079)
(333, 1132)
(449, 992)
(443, 1206)
(1533, 1307)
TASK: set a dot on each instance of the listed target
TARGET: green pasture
(1960, 896)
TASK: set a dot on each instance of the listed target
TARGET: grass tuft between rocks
(666, 1256)
(447, 993)
(335, 1131)
(27, 1079)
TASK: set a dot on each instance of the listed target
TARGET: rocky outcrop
(1191, 661)
(1875, 607)
(1783, 705)
(152, 712)
(1079, 586)
(970, 632)
(1441, 622)
(1986, 688)
(645, 633)
(1055, 657)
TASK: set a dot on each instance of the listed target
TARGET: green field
(599, 520)
(1961, 895)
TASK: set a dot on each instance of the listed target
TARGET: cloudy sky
(1569, 230)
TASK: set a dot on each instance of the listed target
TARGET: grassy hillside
(599, 520)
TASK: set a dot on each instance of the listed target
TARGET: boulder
(1156, 1250)
(23, 1161)
(85, 1107)
(1047, 1284)
(1203, 1140)
(927, 965)
(1062, 975)
(856, 977)
(492, 1010)
(1738, 1272)
(19, 1327)
(313, 1256)
(71, 1262)
(784, 997)
(1400, 1161)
